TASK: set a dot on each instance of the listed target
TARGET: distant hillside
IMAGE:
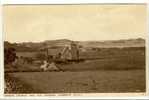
(18, 47)
(60, 42)
(114, 43)
(33, 46)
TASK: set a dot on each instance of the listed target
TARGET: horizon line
(74, 40)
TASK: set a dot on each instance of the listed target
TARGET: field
(103, 71)
(84, 82)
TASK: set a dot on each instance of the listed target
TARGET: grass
(112, 70)
(118, 63)
(105, 59)
(84, 82)
(124, 63)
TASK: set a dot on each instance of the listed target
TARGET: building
(69, 52)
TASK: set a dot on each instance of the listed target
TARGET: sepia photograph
(74, 48)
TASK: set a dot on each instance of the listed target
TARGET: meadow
(82, 82)
(107, 70)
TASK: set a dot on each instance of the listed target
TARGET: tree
(9, 55)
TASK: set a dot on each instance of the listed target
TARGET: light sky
(34, 23)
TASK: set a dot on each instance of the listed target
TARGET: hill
(114, 43)
(35, 46)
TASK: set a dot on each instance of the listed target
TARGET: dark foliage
(9, 55)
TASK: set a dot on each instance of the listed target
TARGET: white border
(1, 55)
(69, 1)
(147, 52)
(134, 96)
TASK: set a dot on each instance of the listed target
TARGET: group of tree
(9, 55)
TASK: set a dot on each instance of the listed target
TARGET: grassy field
(100, 59)
(104, 70)
(111, 63)
(84, 82)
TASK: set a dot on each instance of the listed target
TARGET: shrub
(40, 56)
(9, 55)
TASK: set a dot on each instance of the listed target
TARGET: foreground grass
(84, 82)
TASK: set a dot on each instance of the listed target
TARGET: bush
(40, 56)
(9, 55)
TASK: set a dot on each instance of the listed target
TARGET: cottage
(68, 52)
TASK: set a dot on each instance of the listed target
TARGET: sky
(35, 23)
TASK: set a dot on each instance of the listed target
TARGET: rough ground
(78, 82)
(14, 85)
